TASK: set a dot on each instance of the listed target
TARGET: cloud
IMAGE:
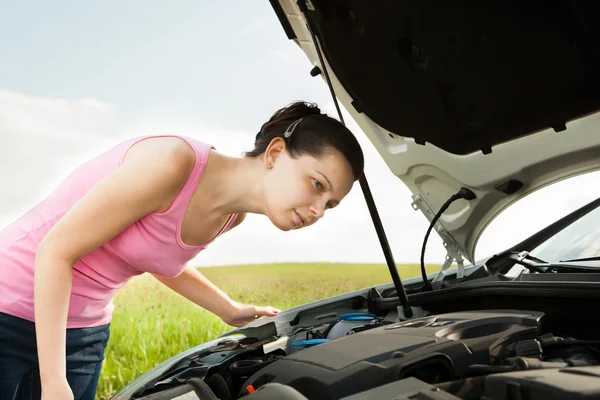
(57, 118)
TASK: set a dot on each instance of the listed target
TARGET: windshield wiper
(596, 258)
(535, 264)
(530, 262)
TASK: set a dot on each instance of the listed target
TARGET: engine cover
(433, 349)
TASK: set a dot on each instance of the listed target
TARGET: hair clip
(288, 132)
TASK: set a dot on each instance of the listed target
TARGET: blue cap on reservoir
(357, 317)
(310, 342)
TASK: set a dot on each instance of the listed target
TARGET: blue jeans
(19, 370)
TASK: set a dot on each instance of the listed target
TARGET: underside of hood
(495, 96)
(468, 75)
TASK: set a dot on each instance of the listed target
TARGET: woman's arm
(195, 287)
(143, 184)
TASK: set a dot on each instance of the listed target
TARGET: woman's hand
(242, 314)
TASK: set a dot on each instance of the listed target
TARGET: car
(473, 106)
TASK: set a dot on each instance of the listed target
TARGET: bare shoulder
(171, 154)
(176, 153)
(167, 160)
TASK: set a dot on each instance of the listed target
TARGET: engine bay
(491, 354)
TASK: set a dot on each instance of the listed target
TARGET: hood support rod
(385, 246)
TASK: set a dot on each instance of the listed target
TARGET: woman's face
(299, 190)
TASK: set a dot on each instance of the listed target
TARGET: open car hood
(500, 98)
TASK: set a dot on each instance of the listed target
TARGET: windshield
(581, 239)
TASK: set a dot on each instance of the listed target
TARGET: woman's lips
(298, 221)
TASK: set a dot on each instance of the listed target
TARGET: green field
(151, 323)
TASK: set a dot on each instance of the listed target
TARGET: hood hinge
(452, 255)
(452, 252)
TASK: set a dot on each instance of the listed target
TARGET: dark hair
(308, 131)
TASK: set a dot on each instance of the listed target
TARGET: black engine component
(433, 349)
(550, 384)
(406, 389)
(573, 384)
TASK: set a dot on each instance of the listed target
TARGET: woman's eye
(318, 185)
(328, 205)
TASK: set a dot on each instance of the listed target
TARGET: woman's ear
(274, 151)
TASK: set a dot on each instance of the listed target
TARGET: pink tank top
(152, 244)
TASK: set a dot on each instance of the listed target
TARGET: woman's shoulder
(169, 162)
(174, 153)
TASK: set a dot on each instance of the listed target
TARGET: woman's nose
(317, 210)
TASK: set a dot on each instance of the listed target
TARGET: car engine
(463, 355)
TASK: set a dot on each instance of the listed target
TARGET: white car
(473, 106)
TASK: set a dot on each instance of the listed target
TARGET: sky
(78, 77)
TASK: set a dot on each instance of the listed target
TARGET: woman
(150, 204)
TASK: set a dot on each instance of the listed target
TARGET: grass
(152, 323)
